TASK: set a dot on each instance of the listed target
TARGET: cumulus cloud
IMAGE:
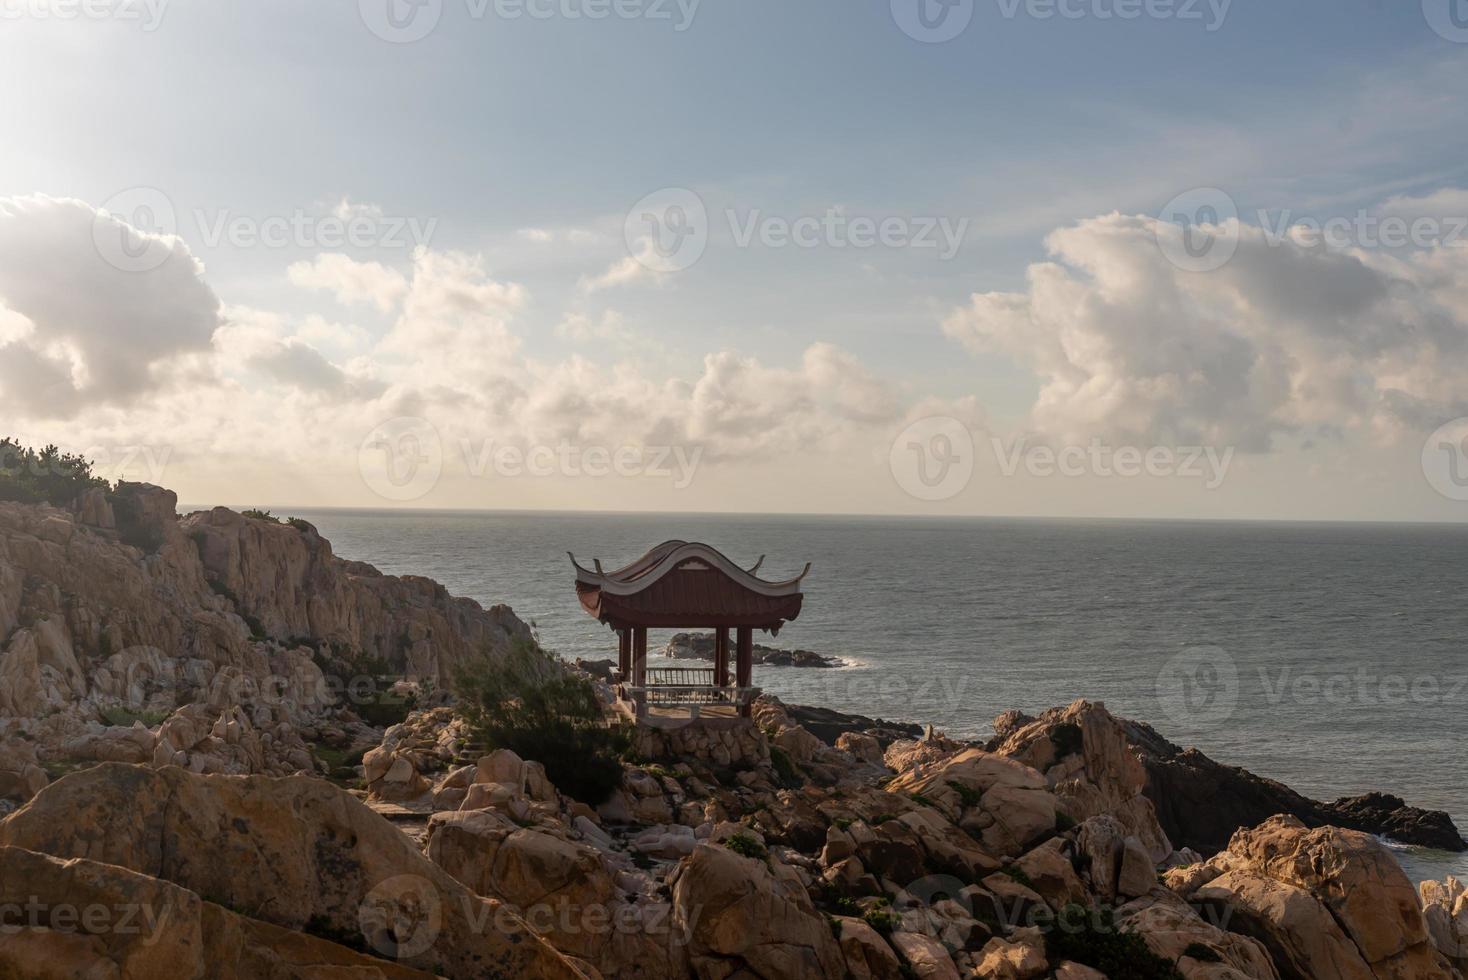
(237, 383)
(623, 272)
(76, 330)
(351, 281)
(1285, 339)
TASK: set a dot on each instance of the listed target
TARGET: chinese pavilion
(685, 585)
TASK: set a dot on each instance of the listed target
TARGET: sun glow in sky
(1055, 257)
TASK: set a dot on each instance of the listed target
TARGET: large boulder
(1002, 802)
(293, 851)
(565, 889)
(1090, 765)
(1176, 932)
(82, 919)
(1445, 908)
(1301, 936)
(742, 919)
(1366, 904)
(1351, 873)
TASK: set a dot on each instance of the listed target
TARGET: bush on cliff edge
(49, 476)
(530, 703)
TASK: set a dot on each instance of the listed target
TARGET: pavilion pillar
(721, 656)
(624, 653)
(744, 666)
(639, 666)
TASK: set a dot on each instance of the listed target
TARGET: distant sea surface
(1332, 657)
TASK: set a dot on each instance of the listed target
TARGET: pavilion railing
(680, 677)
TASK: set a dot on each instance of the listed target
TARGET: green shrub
(48, 476)
(922, 800)
(260, 515)
(384, 707)
(1090, 937)
(1064, 821)
(882, 919)
(530, 703)
(298, 524)
(967, 795)
(1019, 875)
(746, 846)
(1067, 739)
(120, 717)
(784, 767)
(883, 818)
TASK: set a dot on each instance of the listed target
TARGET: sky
(1123, 258)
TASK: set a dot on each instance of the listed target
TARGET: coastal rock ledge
(186, 795)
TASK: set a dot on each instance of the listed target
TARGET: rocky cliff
(219, 642)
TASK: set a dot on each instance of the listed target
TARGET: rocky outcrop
(1445, 910)
(745, 917)
(84, 919)
(285, 579)
(116, 616)
(295, 852)
(1201, 803)
(829, 725)
(1323, 901)
(700, 646)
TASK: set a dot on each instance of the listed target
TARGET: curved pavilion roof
(684, 584)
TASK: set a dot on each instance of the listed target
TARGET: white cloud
(351, 281)
(1282, 340)
(93, 333)
(625, 271)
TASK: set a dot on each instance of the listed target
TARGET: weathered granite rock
(868, 957)
(1171, 927)
(1005, 804)
(83, 919)
(295, 851)
(1299, 933)
(1090, 765)
(1445, 910)
(1366, 906)
(742, 917)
